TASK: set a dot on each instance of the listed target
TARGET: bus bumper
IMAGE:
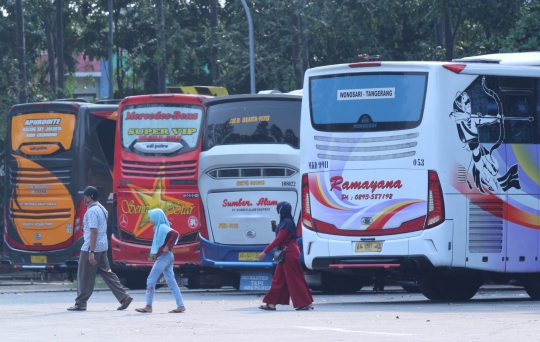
(62, 260)
(431, 248)
(131, 254)
(228, 256)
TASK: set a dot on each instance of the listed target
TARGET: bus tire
(335, 283)
(458, 288)
(193, 282)
(136, 281)
(411, 288)
(450, 288)
(532, 286)
(428, 287)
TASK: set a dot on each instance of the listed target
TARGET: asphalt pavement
(36, 311)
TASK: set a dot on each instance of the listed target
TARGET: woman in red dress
(288, 281)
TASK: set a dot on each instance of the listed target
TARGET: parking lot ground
(37, 312)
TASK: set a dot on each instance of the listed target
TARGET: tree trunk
(60, 49)
(50, 49)
(438, 28)
(21, 53)
(297, 53)
(110, 73)
(162, 60)
(119, 75)
(448, 35)
(214, 67)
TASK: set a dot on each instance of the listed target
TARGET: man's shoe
(76, 308)
(125, 303)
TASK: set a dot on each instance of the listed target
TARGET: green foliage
(524, 36)
(290, 36)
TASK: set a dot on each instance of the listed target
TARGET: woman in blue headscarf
(288, 280)
(164, 240)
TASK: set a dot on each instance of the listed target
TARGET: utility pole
(23, 96)
(251, 48)
(110, 68)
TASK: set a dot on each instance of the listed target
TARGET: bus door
(503, 203)
(520, 178)
(487, 228)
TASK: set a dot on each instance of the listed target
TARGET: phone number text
(366, 196)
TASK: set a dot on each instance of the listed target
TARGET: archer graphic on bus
(485, 167)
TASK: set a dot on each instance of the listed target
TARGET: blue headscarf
(162, 227)
(286, 220)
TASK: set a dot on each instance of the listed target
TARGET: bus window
(161, 129)
(367, 102)
(257, 122)
(518, 127)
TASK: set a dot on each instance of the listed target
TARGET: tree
(524, 35)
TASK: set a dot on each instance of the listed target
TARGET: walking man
(93, 258)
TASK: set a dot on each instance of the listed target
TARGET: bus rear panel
(157, 150)
(249, 163)
(54, 150)
(423, 169)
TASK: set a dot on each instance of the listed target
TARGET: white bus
(424, 170)
(249, 162)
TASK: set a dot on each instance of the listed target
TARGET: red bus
(157, 146)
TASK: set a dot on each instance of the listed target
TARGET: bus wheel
(136, 281)
(458, 288)
(451, 288)
(194, 282)
(532, 286)
(428, 288)
(410, 288)
(335, 283)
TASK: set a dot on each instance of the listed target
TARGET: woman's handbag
(279, 254)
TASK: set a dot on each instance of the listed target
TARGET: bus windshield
(367, 102)
(161, 129)
(253, 122)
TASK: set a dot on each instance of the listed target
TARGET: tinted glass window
(518, 121)
(106, 130)
(161, 129)
(367, 102)
(483, 104)
(253, 122)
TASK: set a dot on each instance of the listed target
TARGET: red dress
(288, 280)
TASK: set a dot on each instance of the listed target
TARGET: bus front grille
(485, 226)
(186, 169)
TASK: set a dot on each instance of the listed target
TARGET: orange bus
(53, 151)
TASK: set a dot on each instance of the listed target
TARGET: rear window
(42, 133)
(161, 129)
(253, 122)
(367, 102)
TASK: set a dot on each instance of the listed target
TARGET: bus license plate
(38, 259)
(372, 246)
(248, 256)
